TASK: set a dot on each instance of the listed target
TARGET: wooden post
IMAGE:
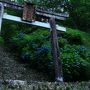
(55, 51)
(1, 15)
(29, 12)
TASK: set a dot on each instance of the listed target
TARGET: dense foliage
(79, 11)
(35, 48)
(33, 45)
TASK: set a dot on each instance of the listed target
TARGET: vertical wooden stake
(1, 15)
(55, 51)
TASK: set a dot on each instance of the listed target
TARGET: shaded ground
(12, 69)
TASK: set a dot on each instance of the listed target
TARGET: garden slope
(11, 69)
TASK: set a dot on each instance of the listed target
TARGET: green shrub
(35, 48)
(38, 54)
(72, 36)
(75, 62)
(1, 41)
(62, 42)
(74, 39)
(37, 51)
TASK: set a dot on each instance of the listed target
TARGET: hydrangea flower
(89, 55)
(76, 51)
(68, 50)
(20, 34)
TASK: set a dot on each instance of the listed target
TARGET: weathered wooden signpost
(55, 51)
(28, 17)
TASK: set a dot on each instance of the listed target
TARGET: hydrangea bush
(36, 49)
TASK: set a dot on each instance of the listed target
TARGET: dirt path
(11, 69)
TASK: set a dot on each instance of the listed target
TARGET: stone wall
(22, 85)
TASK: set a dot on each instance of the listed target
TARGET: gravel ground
(11, 69)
